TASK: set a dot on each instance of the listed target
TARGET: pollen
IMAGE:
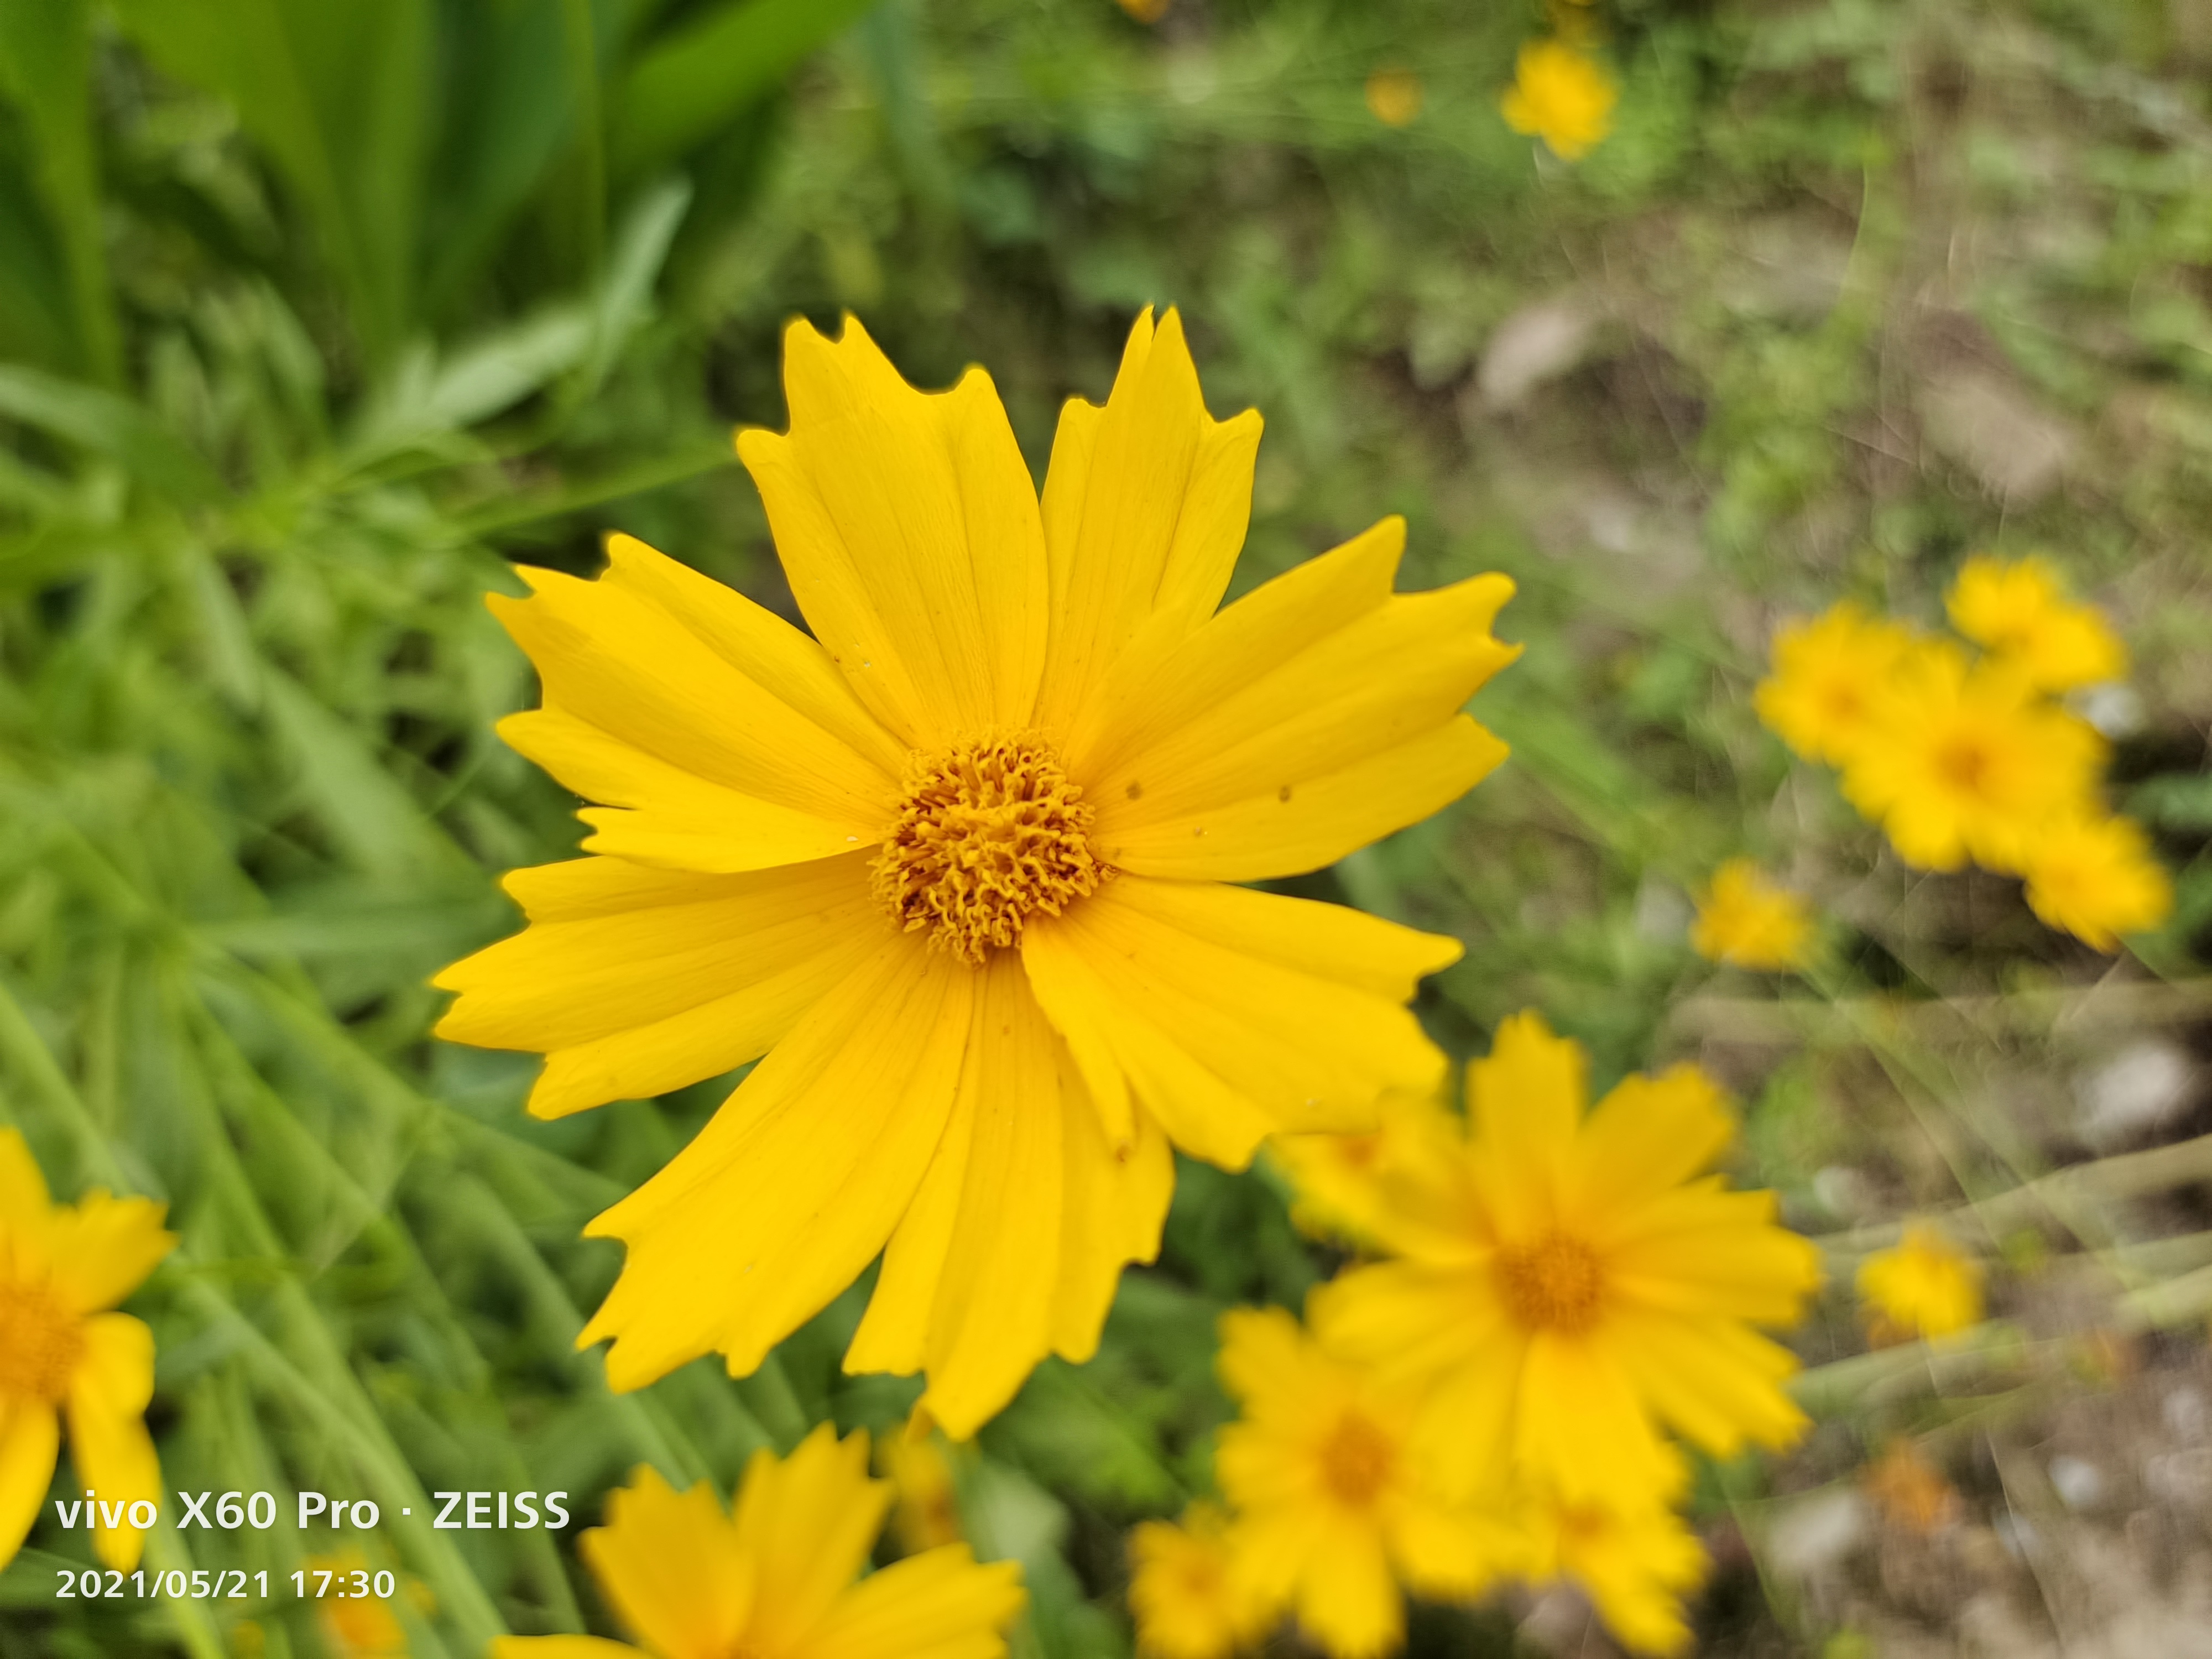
(1555, 1284)
(989, 832)
(1355, 1459)
(40, 1342)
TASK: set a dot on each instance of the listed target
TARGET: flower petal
(1222, 1045)
(1146, 502)
(30, 1443)
(807, 1523)
(1114, 1203)
(1282, 734)
(798, 1181)
(1347, 1596)
(1716, 1383)
(635, 981)
(612, 661)
(1582, 1428)
(26, 1213)
(969, 1276)
(104, 1247)
(1525, 1100)
(562, 1647)
(909, 528)
(668, 1564)
(937, 1605)
(1647, 1135)
(108, 1442)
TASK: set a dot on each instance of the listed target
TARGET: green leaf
(690, 83)
(46, 67)
(336, 91)
(102, 421)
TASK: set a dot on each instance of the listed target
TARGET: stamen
(1557, 1284)
(40, 1343)
(988, 831)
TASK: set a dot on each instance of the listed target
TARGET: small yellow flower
(1334, 1509)
(1393, 96)
(1925, 1287)
(1146, 11)
(1562, 95)
(1568, 1283)
(1969, 762)
(1341, 1180)
(776, 1579)
(1910, 1492)
(1745, 919)
(2097, 878)
(354, 1626)
(63, 1354)
(1188, 1599)
(2020, 611)
(1821, 697)
(965, 867)
(1635, 1564)
(926, 1516)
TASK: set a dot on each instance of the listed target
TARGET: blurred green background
(315, 312)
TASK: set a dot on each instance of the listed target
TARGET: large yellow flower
(958, 864)
(2020, 611)
(2096, 877)
(1570, 1283)
(1970, 761)
(1334, 1507)
(776, 1579)
(61, 1353)
(1822, 696)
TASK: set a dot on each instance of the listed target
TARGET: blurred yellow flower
(926, 1515)
(1568, 1283)
(2020, 610)
(1562, 95)
(1970, 761)
(1393, 96)
(354, 1626)
(1925, 1287)
(1910, 1492)
(1188, 1601)
(2096, 878)
(1334, 1507)
(1635, 1564)
(1341, 1179)
(776, 1580)
(1146, 11)
(1745, 919)
(1828, 672)
(878, 860)
(61, 1353)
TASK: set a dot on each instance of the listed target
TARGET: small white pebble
(2078, 1484)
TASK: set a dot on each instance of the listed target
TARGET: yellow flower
(1393, 96)
(1821, 697)
(1146, 11)
(1969, 762)
(962, 869)
(2096, 878)
(62, 1267)
(1333, 1506)
(1562, 95)
(1567, 1282)
(1745, 919)
(926, 1515)
(1635, 1565)
(1925, 1287)
(2020, 611)
(1340, 1179)
(776, 1580)
(1188, 1599)
(354, 1626)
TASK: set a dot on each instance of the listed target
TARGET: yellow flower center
(988, 832)
(40, 1342)
(1553, 1285)
(1964, 763)
(1355, 1459)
